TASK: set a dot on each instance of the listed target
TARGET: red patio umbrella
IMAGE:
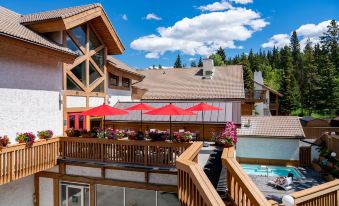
(141, 107)
(203, 107)
(104, 110)
(170, 110)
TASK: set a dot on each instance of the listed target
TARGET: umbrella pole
(170, 127)
(104, 127)
(141, 121)
(203, 131)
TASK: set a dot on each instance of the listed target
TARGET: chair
(282, 182)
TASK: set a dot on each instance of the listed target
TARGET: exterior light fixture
(333, 154)
(287, 200)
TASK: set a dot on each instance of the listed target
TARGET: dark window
(80, 33)
(72, 46)
(93, 74)
(71, 85)
(113, 80)
(93, 40)
(125, 82)
(99, 88)
(99, 59)
(80, 72)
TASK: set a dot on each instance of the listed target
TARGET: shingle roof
(230, 112)
(10, 26)
(55, 14)
(188, 84)
(122, 66)
(271, 126)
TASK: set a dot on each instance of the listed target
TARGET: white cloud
(242, 1)
(202, 34)
(153, 16)
(216, 6)
(305, 32)
(152, 55)
(192, 59)
(124, 17)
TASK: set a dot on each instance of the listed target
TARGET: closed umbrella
(104, 110)
(141, 107)
(203, 107)
(170, 110)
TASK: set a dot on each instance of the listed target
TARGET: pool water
(275, 171)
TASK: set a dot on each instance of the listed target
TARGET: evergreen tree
(275, 57)
(193, 64)
(247, 72)
(217, 59)
(297, 65)
(252, 60)
(160, 66)
(222, 54)
(177, 63)
(330, 41)
(200, 64)
(288, 86)
(311, 80)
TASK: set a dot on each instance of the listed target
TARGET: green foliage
(193, 64)
(200, 64)
(221, 53)
(217, 59)
(288, 86)
(177, 63)
(247, 73)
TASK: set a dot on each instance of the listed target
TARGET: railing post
(146, 155)
(102, 152)
(12, 166)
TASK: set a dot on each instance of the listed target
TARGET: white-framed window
(74, 194)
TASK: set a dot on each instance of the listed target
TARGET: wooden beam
(56, 191)
(46, 26)
(36, 190)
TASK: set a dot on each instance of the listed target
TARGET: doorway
(76, 121)
(74, 194)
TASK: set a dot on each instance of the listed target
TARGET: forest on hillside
(308, 78)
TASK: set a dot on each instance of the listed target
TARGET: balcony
(255, 96)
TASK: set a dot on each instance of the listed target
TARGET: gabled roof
(10, 26)
(270, 89)
(55, 14)
(271, 126)
(123, 67)
(230, 112)
(188, 84)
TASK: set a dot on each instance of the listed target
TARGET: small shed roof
(230, 112)
(271, 126)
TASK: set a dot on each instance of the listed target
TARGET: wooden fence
(122, 151)
(241, 189)
(323, 195)
(20, 160)
(316, 132)
(194, 187)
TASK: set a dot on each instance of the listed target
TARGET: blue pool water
(271, 170)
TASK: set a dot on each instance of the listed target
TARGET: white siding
(18, 193)
(115, 95)
(96, 101)
(73, 101)
(268, 148)
(30, 95)
(46, 194)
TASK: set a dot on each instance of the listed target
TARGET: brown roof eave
(67, 56)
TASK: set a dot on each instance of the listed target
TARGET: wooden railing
(122, 151)
(20, 160)
(255, 95)
(316, 132)
(323, 195)
(241, 189)
(194, 187)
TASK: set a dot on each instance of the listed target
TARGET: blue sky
(195, 28)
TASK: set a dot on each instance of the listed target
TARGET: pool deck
(311, 179)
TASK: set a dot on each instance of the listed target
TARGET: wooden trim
(110, 182)
(46, 26)
(92, 194)
(56, 190)
(25, 45)
(83, 17)
(36, 190)
(76, 41)
(263, 161)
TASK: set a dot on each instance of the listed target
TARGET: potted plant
(119, 134)
(158, 135)
(182, 136)
(45, 134)
(27, 137)
(228, 136)
(131, 134)
(4, 141)
(177, 136)
(71, 132)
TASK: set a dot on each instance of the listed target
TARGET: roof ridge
(88, 6)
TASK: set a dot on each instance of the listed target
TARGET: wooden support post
(36, 190)
(56, 192)
(92, 195)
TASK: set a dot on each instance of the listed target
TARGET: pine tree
(222, 54)
(311, 80)
(275, 57)
(193, 64)
(288, 88)
(177, 63)
(217, 59)
(200, 64)
(247, 72)
(330, 42)
(297, 65)
(251, 60)
(160, 66)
